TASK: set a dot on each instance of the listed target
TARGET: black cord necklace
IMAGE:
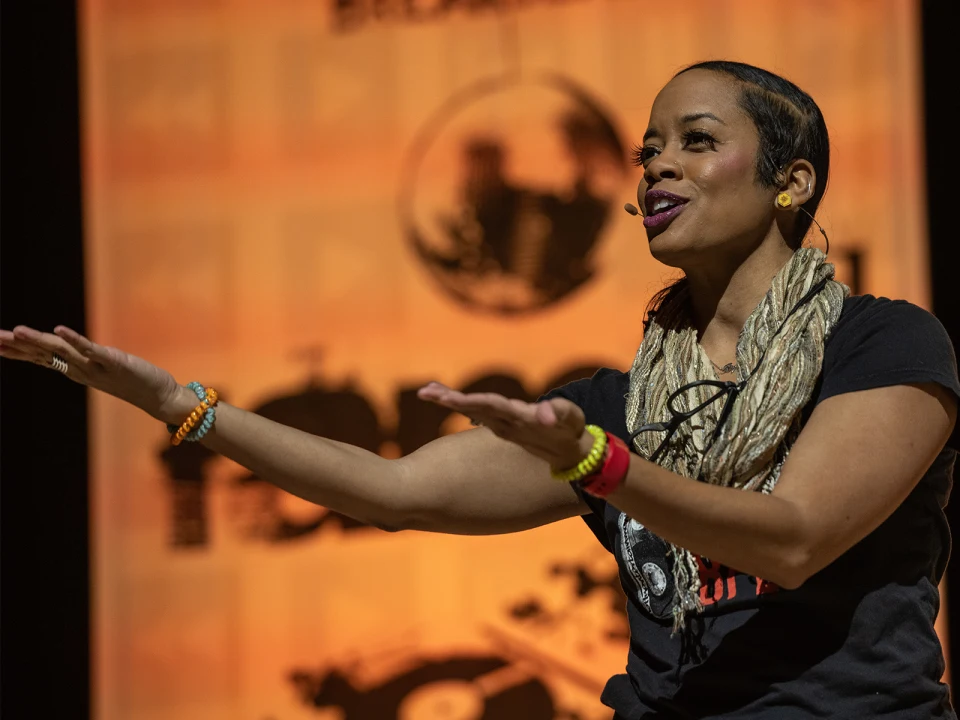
(725, 389)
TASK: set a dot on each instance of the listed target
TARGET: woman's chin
(671, 251)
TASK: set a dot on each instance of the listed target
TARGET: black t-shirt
(857, 639)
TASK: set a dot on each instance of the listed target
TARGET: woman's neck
(723, 295)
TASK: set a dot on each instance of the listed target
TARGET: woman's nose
(662, 166)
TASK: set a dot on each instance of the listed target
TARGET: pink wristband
(613, 472)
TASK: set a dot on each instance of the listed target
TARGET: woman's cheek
(728, 169)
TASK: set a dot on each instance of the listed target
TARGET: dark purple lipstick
(661, 207)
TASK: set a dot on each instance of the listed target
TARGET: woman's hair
(790, 127)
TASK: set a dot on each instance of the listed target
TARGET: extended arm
(470, 483)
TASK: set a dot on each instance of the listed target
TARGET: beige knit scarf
(764, 419)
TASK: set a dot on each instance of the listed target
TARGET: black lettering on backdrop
(187, 465)
(352, 15)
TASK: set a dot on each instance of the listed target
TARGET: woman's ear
(799, 181)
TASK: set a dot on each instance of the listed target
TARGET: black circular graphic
(646, 563)
(507, 191)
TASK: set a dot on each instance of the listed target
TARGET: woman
(777, 426)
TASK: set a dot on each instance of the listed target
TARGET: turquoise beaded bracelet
(209, 417)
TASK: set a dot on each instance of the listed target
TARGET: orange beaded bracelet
(195, 416)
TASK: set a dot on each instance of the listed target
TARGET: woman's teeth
(660, 205)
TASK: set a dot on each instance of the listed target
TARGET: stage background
(281, 201)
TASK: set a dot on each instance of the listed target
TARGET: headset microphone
(631, 208)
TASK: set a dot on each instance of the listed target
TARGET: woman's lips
(661, 218)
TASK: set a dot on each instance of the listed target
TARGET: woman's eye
(696, 137)
(641, 155)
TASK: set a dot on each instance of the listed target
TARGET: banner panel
(317, 207)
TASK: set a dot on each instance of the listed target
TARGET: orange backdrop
(286, 200)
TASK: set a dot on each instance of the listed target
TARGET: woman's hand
(552, 430)
(102, 368)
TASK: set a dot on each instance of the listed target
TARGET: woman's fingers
(45, 343)
(78, 341)
(83, 345)
(25, 343)
(41, 347)
(103, 368)
(528, 424)
(21, 346)
(431, 391)
(29, 336)
(546, 413)
(565, 412)
(442, 395)
(489, 404)
(8, 341)
(486, 406)
(11, 352)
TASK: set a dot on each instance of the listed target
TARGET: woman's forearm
(348, 479)
(748, 531)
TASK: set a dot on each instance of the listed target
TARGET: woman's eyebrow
(692, 117)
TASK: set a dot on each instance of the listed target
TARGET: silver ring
(59, 364)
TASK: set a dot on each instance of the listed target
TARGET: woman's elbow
(797, 562)
(789, 578)
(795, 555)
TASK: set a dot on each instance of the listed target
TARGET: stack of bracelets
(604, 468)
(203, 413)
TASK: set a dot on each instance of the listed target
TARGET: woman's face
(699, 192)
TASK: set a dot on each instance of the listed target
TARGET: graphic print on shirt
(643, 556)
(645, 559)
(717, 582)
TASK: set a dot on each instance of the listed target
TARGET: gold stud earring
(784, 200)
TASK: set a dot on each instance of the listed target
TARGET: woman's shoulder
(606, 383)
(872, 311)
(888, 325)
(878, 341)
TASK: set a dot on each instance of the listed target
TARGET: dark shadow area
(939, 23)
(44, 605)
(430, 684)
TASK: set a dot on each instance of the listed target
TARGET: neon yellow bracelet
(590, 463)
